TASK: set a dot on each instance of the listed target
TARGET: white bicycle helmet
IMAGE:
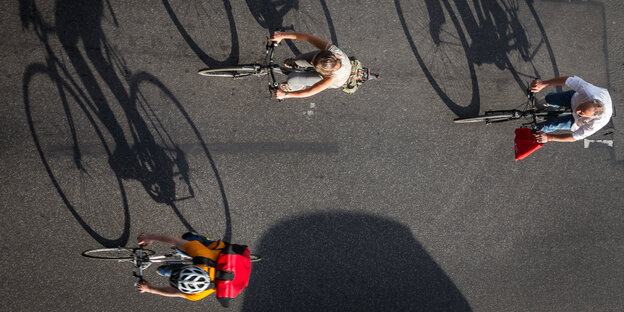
(190, 279)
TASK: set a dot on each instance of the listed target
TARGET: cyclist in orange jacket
(193, 282)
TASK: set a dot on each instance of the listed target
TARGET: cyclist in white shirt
(591, 109)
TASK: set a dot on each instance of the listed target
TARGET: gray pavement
(372, 201)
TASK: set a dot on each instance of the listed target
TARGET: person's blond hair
(324, 63)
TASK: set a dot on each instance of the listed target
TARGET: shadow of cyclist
(270, 15)
(344, 261)
(495, 30)
(78, 28)
(208, 29)
(487, 32)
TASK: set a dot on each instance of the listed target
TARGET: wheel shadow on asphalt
(73, 129)
(198, 24)
(450, 39)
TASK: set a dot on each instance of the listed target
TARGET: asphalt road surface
(374, 201)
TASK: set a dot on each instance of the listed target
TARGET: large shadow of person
(344, 261)
(149, 151)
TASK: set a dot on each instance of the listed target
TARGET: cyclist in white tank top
(331, 66)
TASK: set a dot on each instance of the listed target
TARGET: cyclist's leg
(556, 123)
(560, 99)
(166, 270)
(302, 80)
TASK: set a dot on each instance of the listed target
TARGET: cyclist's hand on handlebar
(279, 94)
(537, 85)
(144, 286)
(541, 137)
(144, 239)
(277, 37)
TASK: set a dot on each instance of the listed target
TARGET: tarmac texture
(374, 201)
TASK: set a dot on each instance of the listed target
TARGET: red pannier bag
(233, 270)
(525, 143)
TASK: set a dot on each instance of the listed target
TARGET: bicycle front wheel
(228, 72)
(485, 118)
(119, 253)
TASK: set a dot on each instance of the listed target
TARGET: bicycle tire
(227, 72)
(255, 258)
(485, 118)
(119, 253)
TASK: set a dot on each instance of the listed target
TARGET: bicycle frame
(142, 262)
(517, 114)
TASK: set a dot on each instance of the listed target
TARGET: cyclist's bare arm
(537, 85)
(168, 291)
(561, 137)
(314, 89)
(319, 43)
(146, 239)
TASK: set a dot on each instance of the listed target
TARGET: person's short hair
(324, 63)
(599, 107)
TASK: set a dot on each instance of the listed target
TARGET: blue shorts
(558, 100)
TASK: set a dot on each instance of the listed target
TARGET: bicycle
(529, 111)
(143, 258)
(269, 67)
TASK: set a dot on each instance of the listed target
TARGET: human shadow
(270, 15)
(152, 157)
(346, 261)
(445, 36)
(199, 27)
(496, 29)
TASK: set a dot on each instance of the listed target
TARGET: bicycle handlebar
(270, 48)
(138, 263)
(531, 99)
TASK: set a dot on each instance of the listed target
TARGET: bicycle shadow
(448, 35)
(149, 158)
(271, 16)
(201, 32)
(337, 261)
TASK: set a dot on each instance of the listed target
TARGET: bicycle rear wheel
(485, 118)
(120, 253)
(255, 258)
(228, 72)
